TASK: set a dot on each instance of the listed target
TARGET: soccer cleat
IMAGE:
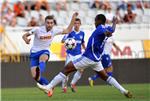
(128, 94)
(91, 82)
(73, 88)
(65, 90)
(50, 93)
(42, 87)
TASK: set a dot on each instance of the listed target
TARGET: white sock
(114, 83)
(76, 77)
(64, 82)
(57, 79)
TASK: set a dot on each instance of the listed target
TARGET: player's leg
(62, 75)
(65, 81)
(35, 73)
(80, 63)
(64, 84)
(34, 67)
(107, 64)
(42, 65)
(76, 77)
(112, 81)
(57, 79)
(109, 71)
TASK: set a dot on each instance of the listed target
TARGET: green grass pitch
(141, 92)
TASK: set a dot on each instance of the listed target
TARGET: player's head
(49, 22)
(100, 19)
(77, 24)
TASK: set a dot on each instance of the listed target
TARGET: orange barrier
(146, 44)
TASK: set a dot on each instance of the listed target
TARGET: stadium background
(133, 37)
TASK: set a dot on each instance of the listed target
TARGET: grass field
(141, 92)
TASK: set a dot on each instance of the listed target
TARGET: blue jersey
(79, 37)
(96, 43)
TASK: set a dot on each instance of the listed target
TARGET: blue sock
(109, 73)
(94, 77)
(42, 66)
(43, 81)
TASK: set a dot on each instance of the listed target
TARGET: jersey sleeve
(57, 31)
(109, 29)
(33, 31)
(100, 30)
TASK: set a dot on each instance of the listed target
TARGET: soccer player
(90, 58)
(75, 53)
(39, 53)
(105, 60)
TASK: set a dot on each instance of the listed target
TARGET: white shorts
(71, 58)
(84, 62)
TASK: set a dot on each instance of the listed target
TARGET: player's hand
(27, 40)
(108, 34)
(75, 15)
(114, 21)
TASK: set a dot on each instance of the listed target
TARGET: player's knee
(44, 58)
(68, 68)
(103, 75)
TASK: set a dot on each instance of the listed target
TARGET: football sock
(42, 66)
(57, 79)
(109, 73)
(43, 81)
(114, 83)
(94, 77)
(64, 82)
(76, 77)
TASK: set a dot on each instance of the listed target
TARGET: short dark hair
(78, 19)
(49, 17)
(101, 17)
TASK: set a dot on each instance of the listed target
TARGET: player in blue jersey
(75, 53)
(106, 60)
(90, 58)
(39, 53)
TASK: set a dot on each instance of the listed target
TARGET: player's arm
(83, 45)
(111, 29)
(117, 47)
(70, 26)
(64, 38)
(62, 41)
(114, 21)
(25, 38)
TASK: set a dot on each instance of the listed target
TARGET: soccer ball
(70, 43)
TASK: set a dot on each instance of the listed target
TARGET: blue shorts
(106, 60)
(34, 57)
